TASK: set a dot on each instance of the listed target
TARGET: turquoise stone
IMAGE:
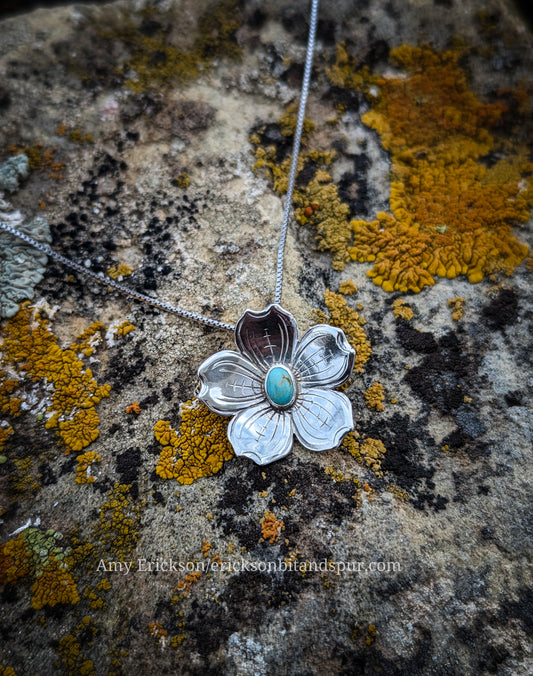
(279, 386)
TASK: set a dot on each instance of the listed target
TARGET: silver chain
(296, 146)
(100, 277)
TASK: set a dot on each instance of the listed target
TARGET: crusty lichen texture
(198, 449)
(21, 265)
(29, 350)
(38, 556)
(340, 314)
(451, 213)
(156, 62)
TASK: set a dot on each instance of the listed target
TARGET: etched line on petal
(267, 337)
(229, 383)
(324, 357)
(261, 433)
(321, 418)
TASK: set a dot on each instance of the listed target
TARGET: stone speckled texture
(142, 123)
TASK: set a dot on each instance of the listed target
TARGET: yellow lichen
(24, 479)
(348, 287)
(398, 492)
(367, 452)
(119, 271)
(270, 527)
(346, 318)
(199, 447)
(83, 470)
(182, 180)
(400, 309)
(457, 305)
(30, 348)
(374, 396)
(451, 215)
(7, 671)
(117, 527)
(73, 661)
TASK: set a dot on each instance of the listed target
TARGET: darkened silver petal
(261, 433)
(267, 337)
(324, 357)
(321, 418)
(230, 382)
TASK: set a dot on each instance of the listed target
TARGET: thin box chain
(100, 277)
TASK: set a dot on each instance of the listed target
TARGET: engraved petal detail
(261, 433)
(321, 418)
(324, 357)
(267, 337)
(230, 383)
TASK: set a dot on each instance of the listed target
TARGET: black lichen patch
(421, 342)
(502, 310)
(439, 380)
(128, 464)
(283, 483)
(409, 449)
(125, 368)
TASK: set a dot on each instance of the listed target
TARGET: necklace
(277, 385)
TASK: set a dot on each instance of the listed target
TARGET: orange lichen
(270, 527)
(457, 305)
(83, 470)
(36, 555)
(8, 405)
(189, 580)
(400, 309)
(41, 159)
(198, 449)
(346, 318)
(54, 585)
(28, 346)
(5, 432)
(348, 287)
(157, 630)
(451, 215)
(206, 546)
(367, 452)
(119, 271)
(16, 560)
(134, 407)
(374, 396)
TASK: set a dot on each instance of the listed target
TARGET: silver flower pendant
(278, 386)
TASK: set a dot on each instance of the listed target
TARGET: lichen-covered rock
(13, 171)
(159, 138)
(21, 265)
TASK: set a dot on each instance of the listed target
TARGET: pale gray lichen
(13, 171)
(21, 265)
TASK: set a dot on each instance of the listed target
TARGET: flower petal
(267, 337)
(321, 418)
(324, 357)
(261, 433)
(230, 383)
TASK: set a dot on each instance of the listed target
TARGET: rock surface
(157, 136)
